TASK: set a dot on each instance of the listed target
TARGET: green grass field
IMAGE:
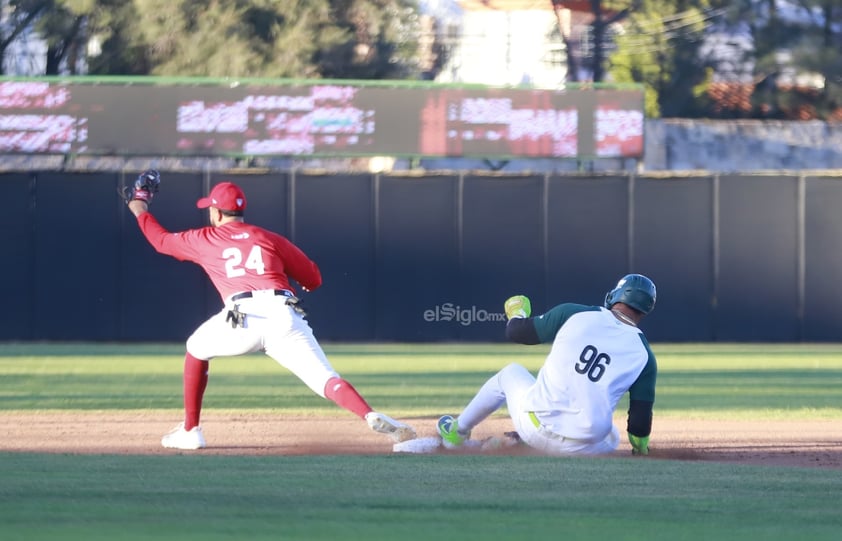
(411, 497)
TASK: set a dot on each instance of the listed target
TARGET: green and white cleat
(448, 428)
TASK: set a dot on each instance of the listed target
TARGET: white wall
(505, 48)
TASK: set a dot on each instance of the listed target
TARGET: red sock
(195, 382)
(345, 396)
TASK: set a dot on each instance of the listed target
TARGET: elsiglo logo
(465, 316)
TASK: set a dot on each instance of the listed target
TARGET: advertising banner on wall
(316, 119)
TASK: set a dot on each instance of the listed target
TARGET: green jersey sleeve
(644, 387)
(548, 323)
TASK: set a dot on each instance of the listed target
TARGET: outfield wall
(432, 257)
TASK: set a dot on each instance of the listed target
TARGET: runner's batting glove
(640, 444)
(143, 188)
(518, 306)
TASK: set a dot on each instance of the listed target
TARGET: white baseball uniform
(568, 409)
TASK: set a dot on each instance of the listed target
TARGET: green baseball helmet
(634, 290)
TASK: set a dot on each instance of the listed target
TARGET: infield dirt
(811, 443)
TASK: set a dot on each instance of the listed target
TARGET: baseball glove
(143, 188)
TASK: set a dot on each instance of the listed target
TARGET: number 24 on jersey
(235, 266)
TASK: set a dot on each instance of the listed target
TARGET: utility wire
(653, 27)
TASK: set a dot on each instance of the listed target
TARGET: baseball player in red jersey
(252, 269)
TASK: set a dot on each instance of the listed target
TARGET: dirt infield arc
(816, 443)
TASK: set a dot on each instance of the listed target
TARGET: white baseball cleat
(179, 438)
(384, 424)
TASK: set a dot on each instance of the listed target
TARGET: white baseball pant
(509, 387)
(272, 327)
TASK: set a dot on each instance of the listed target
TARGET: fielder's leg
(299, 352)
(344, 395)
(215, 337)
(188, 435)
(195, 383)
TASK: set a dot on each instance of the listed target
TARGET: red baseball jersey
(236, 256)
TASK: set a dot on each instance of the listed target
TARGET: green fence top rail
(229, 81)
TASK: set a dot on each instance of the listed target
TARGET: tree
(99, 34)
(226, 39)
(382, 41)
(17, 17)
(660, 47)
(222, 38)
(605, 14)
(600, 25)
(796, 58)
(62, 23)
(256, 38)
(793, 57)
(819, 53)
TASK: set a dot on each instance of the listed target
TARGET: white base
(418, 445)
(433, 443)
